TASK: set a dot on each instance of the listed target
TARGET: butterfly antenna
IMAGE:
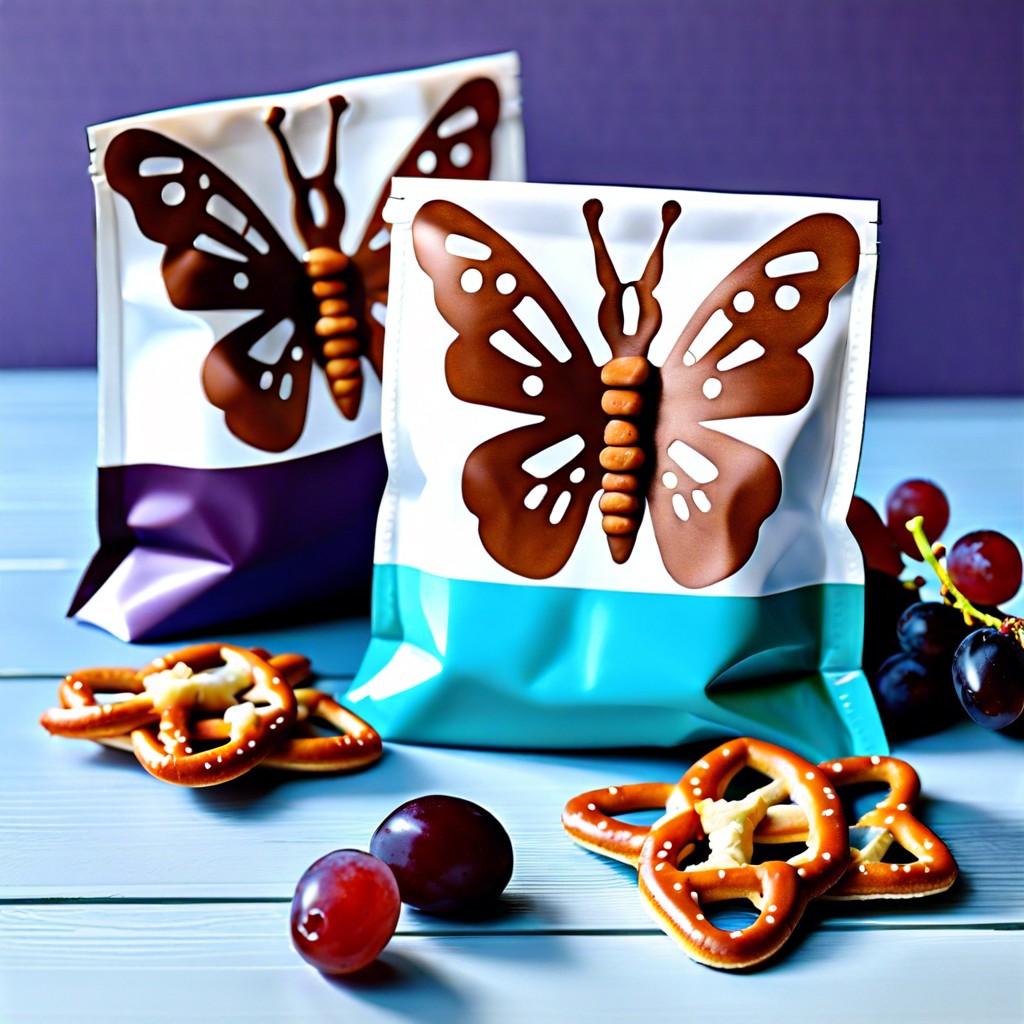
(611, 315)
(317, 204)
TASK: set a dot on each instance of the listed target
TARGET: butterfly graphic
(223, 253)
(641, 436)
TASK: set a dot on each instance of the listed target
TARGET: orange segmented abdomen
(622, 458)
(338, 330)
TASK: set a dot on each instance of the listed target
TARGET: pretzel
(178, 689)
(81, 716)
(355, 746)
(588, 817)
(779, 890)
(868, 877)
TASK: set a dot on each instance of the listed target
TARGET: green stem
(915, 526)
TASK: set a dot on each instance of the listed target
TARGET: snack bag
(243, 285)
(622, 429)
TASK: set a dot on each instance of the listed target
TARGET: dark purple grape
(986, 567)
(344, 911)
(931, 630)
(885, 599)
(916, 498)
(913, 697)
(449, 855)
(988, 675)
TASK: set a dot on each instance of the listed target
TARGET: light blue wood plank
(234, 963)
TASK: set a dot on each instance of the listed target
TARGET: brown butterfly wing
(221, 252)
(517, 350)
(739, 357)
(455, 144)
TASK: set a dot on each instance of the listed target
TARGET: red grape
(876, 543)
(985, 566)
(988, 672)
(916, 498)
(344, 911)
(448, 855)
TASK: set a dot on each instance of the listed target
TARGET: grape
(985, 566)
(344, 911)
(885, 599)
(931, 630)
(913, 697)
(988, 674)
(876, 542)
(448, 855)
(916, 498)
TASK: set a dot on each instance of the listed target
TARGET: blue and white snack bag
(622, 429)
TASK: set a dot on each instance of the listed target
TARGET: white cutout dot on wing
(467, 248)
(710, 334)
(317, 207)
(379, 240)
(240, 281)
(577, 475)
(670, 480)
(743, 302)
(461, 154)
(535, 496)
(560, 507)
(508, 346)
(461, 121)
(536, 321)
(379, 312)
(506, 284)
(679, 506)
(285, 391)
(701, 500)
(173, 193)
(533, 385)
(630, 310)
(745, 353)
(426, 162)
(272, 346)
(297, 353)
(227, 213)
(787, 297)
(266, 380)
(158, 166)
(805, 262)
(551, 459)
(204, 181)
(472, 280)
(712, 387)
(204, 243)
(257, 241)
(696, 466)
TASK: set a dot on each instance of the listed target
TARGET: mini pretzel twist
(356, 745)
(779, 890)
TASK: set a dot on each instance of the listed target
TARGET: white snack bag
(243, 284)
(622, 429)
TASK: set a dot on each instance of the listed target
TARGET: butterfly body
(643, 437)
(319, 307)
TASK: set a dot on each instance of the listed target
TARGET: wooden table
(122, 899)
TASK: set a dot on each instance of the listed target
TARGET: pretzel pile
(207, 714)
(800, 804)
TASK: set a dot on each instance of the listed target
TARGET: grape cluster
(439, 854)
(920, 656)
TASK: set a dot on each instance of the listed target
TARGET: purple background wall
(917, 102)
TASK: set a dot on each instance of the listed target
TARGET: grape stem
(916, 528)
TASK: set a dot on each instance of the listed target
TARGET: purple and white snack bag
(242, 267)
